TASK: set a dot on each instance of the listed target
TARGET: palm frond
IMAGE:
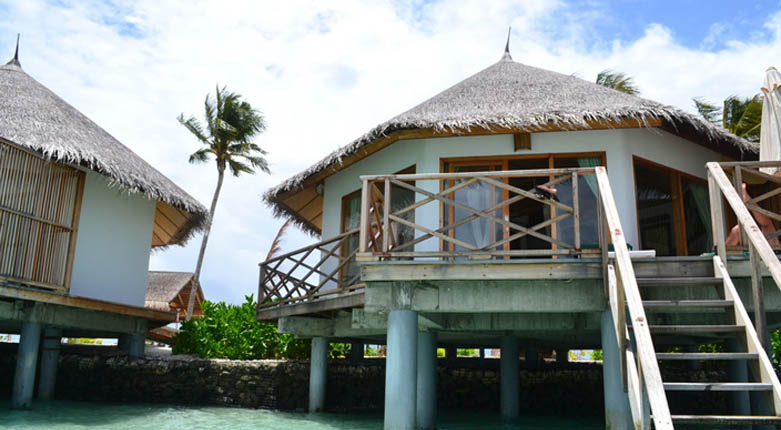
(709, 111)
(617, 81)
(194, 126)
(201, 155)
(237, 167)
(276, 244)
(257, 162)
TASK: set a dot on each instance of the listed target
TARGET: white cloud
(323, 73)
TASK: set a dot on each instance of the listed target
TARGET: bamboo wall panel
(39, 203)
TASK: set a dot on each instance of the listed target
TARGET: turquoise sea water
(61, 415)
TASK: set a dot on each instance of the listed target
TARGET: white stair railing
(640, 370)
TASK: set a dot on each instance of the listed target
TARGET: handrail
(382, 221)
(285, 278)
(766, 373)
(759, 248)
(626, 285)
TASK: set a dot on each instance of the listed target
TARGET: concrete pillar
(531, 357)
(451, 353)
(737, 371)
(562, 356)
(509, 377)
(356, 352)
(401, 370)
(427, 381)
(26, 361)
(692, 364)
(618, 415)
(318, 363)
(135, 345)
(50, 355)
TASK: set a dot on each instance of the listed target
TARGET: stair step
(662, 282)
(717, 386)
(672, 329)
(688, 303)
(725, 419)
(707, 356)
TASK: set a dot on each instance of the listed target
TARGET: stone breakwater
(351, 387)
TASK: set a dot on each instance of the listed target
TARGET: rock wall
(284, 385)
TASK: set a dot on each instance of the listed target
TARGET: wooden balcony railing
(474, 215)
(310, 272)
(449, 217)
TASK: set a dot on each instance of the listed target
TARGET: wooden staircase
(740, 328)
(636, 336)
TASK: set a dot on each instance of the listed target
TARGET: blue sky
(324, 73)
(694, 23)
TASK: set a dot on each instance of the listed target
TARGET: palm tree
(741, 117)
(231, 125)
(617, 81)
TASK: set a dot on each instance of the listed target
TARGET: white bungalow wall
(112, 247)
(620, 145)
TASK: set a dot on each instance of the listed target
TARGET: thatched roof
(162, 288)
(510, 95)
(33, 117)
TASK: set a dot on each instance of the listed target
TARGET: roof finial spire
(507, 56)
(15, 60)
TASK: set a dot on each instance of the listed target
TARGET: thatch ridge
(510, 95)
(35, 118)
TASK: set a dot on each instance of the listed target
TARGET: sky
(323, 73)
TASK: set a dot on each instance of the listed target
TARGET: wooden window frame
(679, 217)
(76, 194)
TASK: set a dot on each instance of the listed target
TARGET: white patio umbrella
(770, 133)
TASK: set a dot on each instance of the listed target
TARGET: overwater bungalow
(79, 214)
(524, 209)
(170, 291)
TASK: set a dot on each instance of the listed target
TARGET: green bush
(597, 355)
(233, 332)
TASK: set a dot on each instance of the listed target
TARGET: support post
(618, 415)
(135, 345)
(531, 357)
(401, 370)
(692, 364)
(451, 354)
(510, 378)
(562, 356)
(318, 363)
(758, 294)
(26, 361)
(737, 371)
(50, 355)
(356, 352)
(427, 381)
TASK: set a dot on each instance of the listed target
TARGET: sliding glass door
(673, 211)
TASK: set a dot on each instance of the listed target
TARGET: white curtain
(478, 196)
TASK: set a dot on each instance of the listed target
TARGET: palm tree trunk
(197, 275)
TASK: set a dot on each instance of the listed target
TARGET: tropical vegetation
(231, 126)
(617, 81)
(234, 332)
(740, 116)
